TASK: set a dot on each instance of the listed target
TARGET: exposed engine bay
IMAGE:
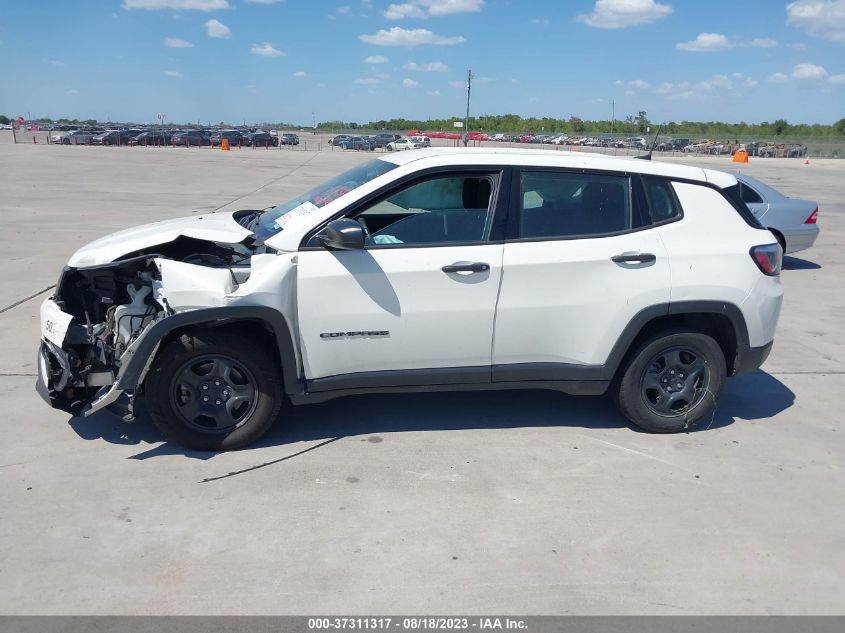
(115, 303)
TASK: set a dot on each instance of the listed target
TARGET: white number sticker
(54, 322)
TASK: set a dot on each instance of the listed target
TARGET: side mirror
(343, 235)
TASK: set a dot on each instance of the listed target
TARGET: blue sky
(272, 60)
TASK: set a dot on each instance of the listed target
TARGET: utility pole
(466, 118)
(612, 115)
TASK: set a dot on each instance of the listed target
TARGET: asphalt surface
(522, 502)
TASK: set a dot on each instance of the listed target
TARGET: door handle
(466, 267)
(640, 258)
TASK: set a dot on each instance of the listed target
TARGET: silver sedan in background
(792, 220)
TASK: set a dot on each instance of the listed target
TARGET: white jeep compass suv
(451, 269)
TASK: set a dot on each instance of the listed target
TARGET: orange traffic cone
(224, 145)
(807, 162)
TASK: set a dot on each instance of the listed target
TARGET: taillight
(814, 216)
(768, 258)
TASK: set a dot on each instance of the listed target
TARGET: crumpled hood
(213, 227)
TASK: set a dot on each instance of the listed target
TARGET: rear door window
(557, 204)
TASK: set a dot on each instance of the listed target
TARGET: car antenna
(651, 147)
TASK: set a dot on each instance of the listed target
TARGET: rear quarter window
(662, 202)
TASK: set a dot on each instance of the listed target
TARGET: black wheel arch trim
(645, 316)
(642, 319)
(132, 372)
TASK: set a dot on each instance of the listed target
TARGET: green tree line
(634, 124)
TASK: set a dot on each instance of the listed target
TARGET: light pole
(612, 115)
(466, 118)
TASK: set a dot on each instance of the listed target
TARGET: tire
(248, 395)
(644, 391)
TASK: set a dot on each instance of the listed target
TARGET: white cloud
(458, 84)
(57, 63)
(175, 42)
(215, 28)
(345, 9)
(705, 43)
(747, 82)
(778, 78)
(715, 42)
(397, 36)
(710, 88)
(430, 67)
(177, 5)
(540, 21)
(433, 93)
(172, 73)
(376, 59)
(266, 49)
(763, 42)
(836, 79)
(405, 10)
(619, 14)
(819, 18)
(367, 81)
(74, 91)
(299, 73)
(382, 75)
(264, 1)
(716, 82)
(420, 9)
(410, 83)
(809, 71)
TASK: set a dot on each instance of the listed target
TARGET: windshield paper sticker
(297, 213)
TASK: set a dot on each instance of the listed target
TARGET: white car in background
(424, 141)
(403, 144)
(792, 220)
(442, 269)
(58, 137)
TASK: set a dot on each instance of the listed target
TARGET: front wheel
(214, 390)
(671, 382)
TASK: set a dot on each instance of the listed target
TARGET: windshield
(273, 220)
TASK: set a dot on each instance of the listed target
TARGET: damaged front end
(101, 314)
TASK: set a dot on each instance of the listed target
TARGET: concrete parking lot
(523, 502)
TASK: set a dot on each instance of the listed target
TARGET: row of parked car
(706, 146)
(190, 138)
(390, 142)
(763, 149)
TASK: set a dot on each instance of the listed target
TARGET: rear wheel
(671, 382)
(214, 390)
